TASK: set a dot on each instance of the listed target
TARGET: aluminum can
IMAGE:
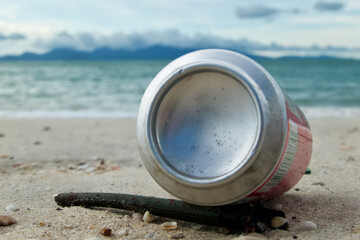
(215, 128)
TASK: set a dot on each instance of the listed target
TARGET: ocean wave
(331, 112)
(310, 112)
(67, 114)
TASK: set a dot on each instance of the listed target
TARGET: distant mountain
(323, 57)
(150, 53)
(154, 52)
(157, 52)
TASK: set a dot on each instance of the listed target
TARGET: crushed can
(215, 128)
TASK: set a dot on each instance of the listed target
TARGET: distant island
(157, 52)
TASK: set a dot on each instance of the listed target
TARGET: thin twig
(241, 216)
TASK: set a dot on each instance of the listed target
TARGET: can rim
(173, 78)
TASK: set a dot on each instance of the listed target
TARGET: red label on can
(294, 159)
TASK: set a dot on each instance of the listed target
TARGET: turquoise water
(115, 88)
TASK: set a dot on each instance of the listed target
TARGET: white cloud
(12, 36)
(91, 41)
(256, 11)
(133, 24)
(329, 6)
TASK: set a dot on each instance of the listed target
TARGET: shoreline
(40, 158)
(310, 112)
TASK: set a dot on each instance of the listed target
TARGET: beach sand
(36, 157)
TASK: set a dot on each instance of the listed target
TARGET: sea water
(113, 89)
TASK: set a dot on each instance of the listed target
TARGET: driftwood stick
(240, 216)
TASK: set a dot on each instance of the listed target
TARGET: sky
(269, 28)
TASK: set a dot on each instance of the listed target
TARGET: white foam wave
(310, 112)
(331, 112)
(66, 114)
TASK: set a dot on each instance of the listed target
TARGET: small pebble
(303, 226)
(251, 236)
(123, 233)
(177, 236)
(2, 135)
(169, 225)
(11, 208)
(197, 226)
(71, 166)
(59, 209)
(105, 232)
(319, 183)
(137, 216)
(149, 236)
(90, 169)
(46, 129)
(37, 143)
(6, 220)
(279, 222)
(148, 217)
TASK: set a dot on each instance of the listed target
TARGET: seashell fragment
(11, 208)
(83, 166)
(177, 236)
(303, 226)
(6, 220)
(169, 225)
(123, 233)
(279, 222)
(148, 217)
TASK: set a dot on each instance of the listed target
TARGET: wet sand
(39, 158)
